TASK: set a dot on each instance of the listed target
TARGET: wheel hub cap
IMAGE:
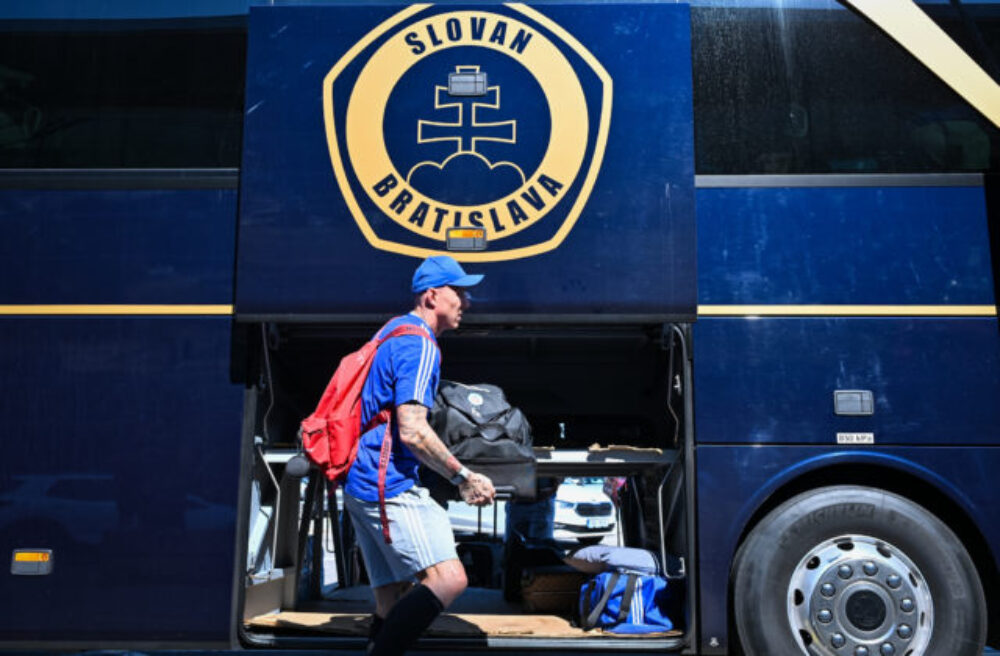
(865, 610)
(857, 595)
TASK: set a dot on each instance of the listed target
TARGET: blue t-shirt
(406, 368)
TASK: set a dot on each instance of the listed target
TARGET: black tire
(863, 529)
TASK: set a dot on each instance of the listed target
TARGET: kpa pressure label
(855, 438)
(493, 120)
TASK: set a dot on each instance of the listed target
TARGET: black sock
(375, 626)
(373, 629)
(406, 621)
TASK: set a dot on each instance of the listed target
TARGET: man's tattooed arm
(421, 439)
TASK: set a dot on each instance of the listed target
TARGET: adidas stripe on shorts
(420, 530)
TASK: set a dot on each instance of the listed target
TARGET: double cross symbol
(468, 128)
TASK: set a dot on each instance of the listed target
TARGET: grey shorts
(420, 531)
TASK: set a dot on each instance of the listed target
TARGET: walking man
(410, 552)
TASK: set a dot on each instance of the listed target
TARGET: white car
(583, 511)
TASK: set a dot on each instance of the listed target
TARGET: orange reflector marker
(466, 239)
(31, 562)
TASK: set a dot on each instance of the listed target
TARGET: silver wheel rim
(856, 595)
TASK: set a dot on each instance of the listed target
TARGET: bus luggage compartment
(604, 404)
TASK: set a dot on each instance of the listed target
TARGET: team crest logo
(478, 133)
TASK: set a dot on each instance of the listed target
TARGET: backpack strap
(383, 467)
(590, 621)
(386, 417)
(586, 594)
(404, 329)
(623, 610)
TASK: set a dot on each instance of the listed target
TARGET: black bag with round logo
(486, 434)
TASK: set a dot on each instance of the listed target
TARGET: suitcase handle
(505, 491)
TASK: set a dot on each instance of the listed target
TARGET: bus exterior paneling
(839, 252)
(844, 243)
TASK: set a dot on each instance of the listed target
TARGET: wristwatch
(461, 476)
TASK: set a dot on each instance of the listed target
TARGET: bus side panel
(112, 246)
(121, 433)
(835, 245)
(630, 251)
(121, 445)
(771, 381)
(733, 480)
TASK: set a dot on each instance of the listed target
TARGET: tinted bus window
(822, 91)
(110, 94)
(974, 25)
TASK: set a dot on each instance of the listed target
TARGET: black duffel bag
(486, 434)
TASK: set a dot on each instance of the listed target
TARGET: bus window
(771, 96)
(121, 94)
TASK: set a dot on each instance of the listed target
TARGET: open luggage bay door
(550, 148)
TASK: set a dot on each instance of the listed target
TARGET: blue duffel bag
(622, 602)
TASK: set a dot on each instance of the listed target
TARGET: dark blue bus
(740, 255)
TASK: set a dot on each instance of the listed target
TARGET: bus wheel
(854, 571)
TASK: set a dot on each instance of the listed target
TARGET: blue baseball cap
(439, 271)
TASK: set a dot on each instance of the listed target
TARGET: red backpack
(330, 435)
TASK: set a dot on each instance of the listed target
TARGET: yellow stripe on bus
(49, 310)
(703, 310)
(905, 22)
(847, 310)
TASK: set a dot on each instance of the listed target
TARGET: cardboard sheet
(453, 625)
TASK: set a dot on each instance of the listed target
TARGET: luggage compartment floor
(477, 613)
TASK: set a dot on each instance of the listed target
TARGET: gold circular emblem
(540, 191)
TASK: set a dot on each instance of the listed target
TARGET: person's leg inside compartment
(410, 616)
(422, 538)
